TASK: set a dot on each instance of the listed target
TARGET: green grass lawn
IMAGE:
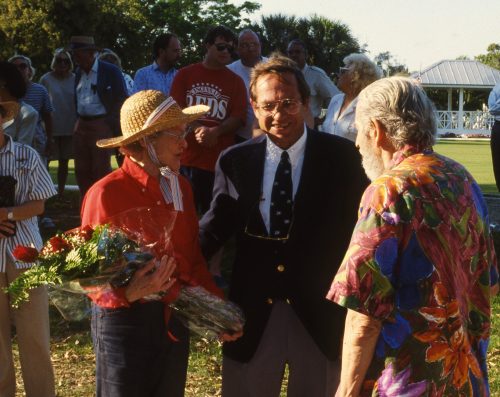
(72, 348)
(475, 155)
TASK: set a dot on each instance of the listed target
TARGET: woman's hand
(230, 337)
(144, 282)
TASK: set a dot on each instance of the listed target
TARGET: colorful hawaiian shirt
(422, 261)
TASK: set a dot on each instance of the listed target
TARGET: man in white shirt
(249, 51)
(321, 87)
(100, 93)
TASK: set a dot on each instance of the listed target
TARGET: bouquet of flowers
(87, 261)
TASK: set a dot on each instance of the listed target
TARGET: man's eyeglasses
(254, 229)
(21, 66)
(247, 46)
(223, 46)
(290, 106)
(62, 60)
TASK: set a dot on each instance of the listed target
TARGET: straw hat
(11, 109)
(147, 112)
(81, 43)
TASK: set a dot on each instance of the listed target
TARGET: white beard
(373, 164)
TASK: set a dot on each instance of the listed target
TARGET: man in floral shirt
(420, 268)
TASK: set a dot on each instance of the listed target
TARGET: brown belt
(90, 118)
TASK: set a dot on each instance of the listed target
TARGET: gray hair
(25, 59)
(248, 30)
(57, 52)
(402, 106)
(107, 55)
(364, 71)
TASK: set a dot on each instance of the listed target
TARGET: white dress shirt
(341, 124)
(272, 159)
(87, 99)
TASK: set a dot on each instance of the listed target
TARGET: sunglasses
(22, 66)
(62, 60)
(222, 46)
(343, 70)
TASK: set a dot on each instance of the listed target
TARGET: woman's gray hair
(108, 55)
(364, 71)
(60, 51)
(402, 106)
(25, 59)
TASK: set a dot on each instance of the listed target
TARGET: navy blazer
(301, 270)
(111, 90)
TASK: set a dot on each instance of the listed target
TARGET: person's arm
(208, 136)
(47, 121)
(222, 219)
(494, 101)
(361, 333)
(20, 213)
(26, 128)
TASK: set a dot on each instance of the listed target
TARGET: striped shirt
(33, 183)
(151, 77)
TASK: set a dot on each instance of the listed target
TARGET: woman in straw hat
(133, 352)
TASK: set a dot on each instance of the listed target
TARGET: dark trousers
(91, 163)
(202, 182)
(495, 151)
(133, 353)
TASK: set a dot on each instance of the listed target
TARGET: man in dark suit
(289, 198)
(99, 92)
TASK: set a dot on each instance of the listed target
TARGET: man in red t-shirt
(210, 83)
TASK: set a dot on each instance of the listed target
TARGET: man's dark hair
(12, 79)
(297, 42)
(219, 31)
(278, 64)
(3, 111)
(162, 41)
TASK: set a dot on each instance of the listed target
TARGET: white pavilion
(460, 75)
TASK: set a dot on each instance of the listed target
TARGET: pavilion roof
(458, 73)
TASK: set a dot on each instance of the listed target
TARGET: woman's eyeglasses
(343, 70)
(178, 137)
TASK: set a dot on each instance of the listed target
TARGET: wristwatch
(10, 214)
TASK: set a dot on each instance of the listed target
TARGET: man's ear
(379, 133)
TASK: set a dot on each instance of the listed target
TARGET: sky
(417, 33)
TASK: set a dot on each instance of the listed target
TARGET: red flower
(58, 244)
(25, 254)
(86, 232)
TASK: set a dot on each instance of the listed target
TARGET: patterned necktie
(281, 199)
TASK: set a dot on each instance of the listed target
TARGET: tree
(327, 41)
(37, 27)
(390, 65)
(492, 57)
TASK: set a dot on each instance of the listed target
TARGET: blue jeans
(132, 353)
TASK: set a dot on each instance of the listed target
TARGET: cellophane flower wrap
(94, 261)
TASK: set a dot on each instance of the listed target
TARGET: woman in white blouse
(359, 71)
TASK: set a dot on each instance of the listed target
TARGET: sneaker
(47, 223)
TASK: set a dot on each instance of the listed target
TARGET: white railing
(472, 121)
